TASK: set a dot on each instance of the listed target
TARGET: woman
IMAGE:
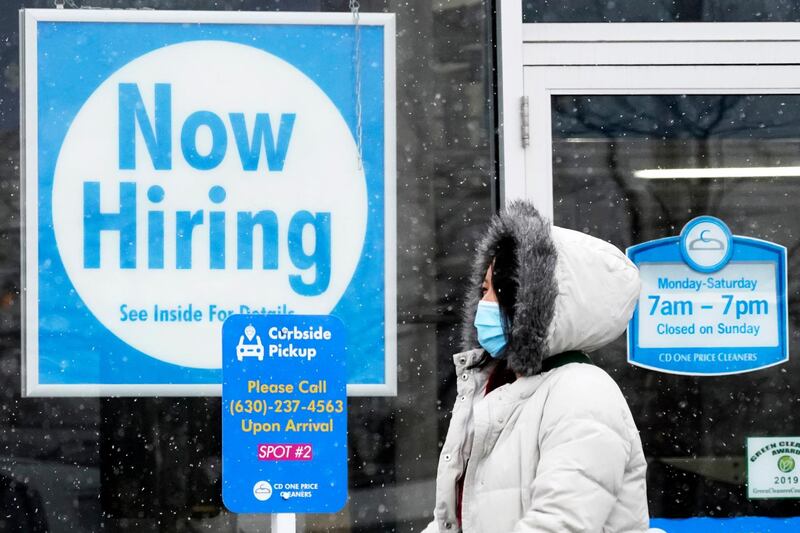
(540, 439)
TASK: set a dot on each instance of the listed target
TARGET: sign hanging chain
(69, 3)
(354, 9)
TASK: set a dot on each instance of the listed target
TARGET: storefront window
(153, 464)
(694, 429)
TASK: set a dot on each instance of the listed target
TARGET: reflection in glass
(634, 168)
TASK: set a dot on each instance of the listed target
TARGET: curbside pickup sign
(284, 414)
(712, 303)
(183, 167)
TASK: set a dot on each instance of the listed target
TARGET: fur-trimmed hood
(574, 291)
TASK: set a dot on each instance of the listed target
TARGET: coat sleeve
(583, 452)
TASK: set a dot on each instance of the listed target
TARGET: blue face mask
(490, 328)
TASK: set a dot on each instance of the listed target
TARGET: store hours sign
(182, 167)
(712, 302)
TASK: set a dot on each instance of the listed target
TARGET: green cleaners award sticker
(771, 467)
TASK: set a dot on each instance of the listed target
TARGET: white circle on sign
(706, 244)
(262, 490)
(178, 311)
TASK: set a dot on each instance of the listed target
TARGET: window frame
(540, 60)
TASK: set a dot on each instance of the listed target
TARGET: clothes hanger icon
(706, 244)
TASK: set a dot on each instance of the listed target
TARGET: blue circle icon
(706, 244)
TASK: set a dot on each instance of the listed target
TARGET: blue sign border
(742, 524)
(54, 87)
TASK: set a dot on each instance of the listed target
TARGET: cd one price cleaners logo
(202, 179)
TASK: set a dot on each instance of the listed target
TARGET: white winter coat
(554, 452)
(557, 451)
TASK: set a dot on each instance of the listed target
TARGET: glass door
(633, 136)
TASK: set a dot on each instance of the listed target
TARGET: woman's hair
(504, 283)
